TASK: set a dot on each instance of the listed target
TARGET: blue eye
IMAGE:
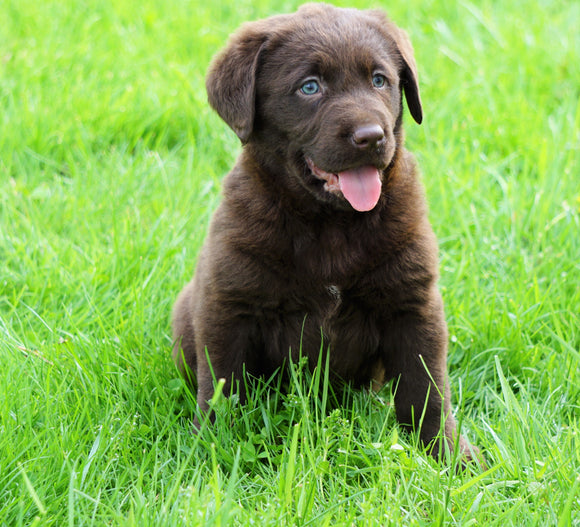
(310, 87)
(379, 81)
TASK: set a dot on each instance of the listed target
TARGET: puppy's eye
(379, 81)
(310, 87)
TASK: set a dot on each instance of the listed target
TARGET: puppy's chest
(332, 257)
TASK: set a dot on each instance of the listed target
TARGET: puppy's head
(319, 95)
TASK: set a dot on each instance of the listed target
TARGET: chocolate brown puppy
(322, 232)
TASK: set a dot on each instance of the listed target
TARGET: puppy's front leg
(226, 347)
(415, 354)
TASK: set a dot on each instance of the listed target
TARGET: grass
(110, 166)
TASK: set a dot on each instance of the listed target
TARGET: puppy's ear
(409, 77)
(231, 78)
(409, 74)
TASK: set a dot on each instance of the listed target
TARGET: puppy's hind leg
(184, 353)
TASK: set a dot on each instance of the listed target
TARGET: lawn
(110, 167)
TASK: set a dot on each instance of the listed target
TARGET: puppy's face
(327, 100)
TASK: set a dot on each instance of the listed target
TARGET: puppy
(322, 232)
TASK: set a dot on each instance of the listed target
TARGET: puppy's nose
(368, 136)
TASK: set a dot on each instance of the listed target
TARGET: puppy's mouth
(360, 186)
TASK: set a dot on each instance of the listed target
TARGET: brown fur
(286, 261)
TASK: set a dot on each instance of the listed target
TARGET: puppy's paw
(471, 456)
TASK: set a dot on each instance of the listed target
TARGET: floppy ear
(231, 79)
(409, 74)
(409, 77)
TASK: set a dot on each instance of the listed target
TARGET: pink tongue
(361, 187)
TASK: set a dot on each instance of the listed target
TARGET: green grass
(110, 166)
